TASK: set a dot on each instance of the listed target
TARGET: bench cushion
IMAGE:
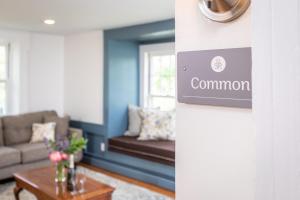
(9, 156)
(158, 151)
(32, 152)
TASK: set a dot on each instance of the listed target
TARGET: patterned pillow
(135, 120)
(42, 131)
(157, 125)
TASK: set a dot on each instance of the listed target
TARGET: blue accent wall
(123, 84)
(121, 87)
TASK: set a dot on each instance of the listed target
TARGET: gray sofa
(16, 153)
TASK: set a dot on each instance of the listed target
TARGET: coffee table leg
(17, 191)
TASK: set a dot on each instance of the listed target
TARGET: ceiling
(79, 15)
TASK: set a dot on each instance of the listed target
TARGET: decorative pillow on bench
(135, 121)
(157, 125)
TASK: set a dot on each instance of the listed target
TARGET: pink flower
(64, 156)
(55, 156)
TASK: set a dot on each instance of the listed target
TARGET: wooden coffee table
(40, 182)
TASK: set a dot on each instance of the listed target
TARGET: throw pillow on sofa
(62, 125)
(157, 125)
(42, 131)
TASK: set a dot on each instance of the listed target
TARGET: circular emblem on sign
(218, 64)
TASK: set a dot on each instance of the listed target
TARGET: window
(158, 76)
(3, 78)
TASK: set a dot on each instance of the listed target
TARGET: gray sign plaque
(215, 77)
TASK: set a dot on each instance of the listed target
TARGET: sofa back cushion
(62, 125)
(47, 114)
(18, 129)
(1, 134)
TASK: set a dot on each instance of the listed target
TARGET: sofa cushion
(9, 156)
(32, 152)
(1, 134)
(47, 114)
(62, 125)
(18, 129)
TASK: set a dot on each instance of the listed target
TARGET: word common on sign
(219, 77)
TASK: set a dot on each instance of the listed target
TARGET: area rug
(124, 191)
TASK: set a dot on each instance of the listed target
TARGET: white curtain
(276, 83)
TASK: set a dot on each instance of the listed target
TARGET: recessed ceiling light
(49, 21)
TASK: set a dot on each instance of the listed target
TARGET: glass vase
(60, 175)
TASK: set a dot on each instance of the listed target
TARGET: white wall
(84, 76)
(46, 73)
(215, 146)
(276, 76)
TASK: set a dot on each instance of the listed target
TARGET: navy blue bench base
(142, 170)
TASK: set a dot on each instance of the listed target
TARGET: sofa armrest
(78, 133)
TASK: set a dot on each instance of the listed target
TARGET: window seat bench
(157, 151)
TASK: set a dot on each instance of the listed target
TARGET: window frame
(6, 81)
(145, 52)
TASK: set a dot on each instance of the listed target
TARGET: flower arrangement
(60, 149)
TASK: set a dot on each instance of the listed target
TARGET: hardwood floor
(132, 181)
